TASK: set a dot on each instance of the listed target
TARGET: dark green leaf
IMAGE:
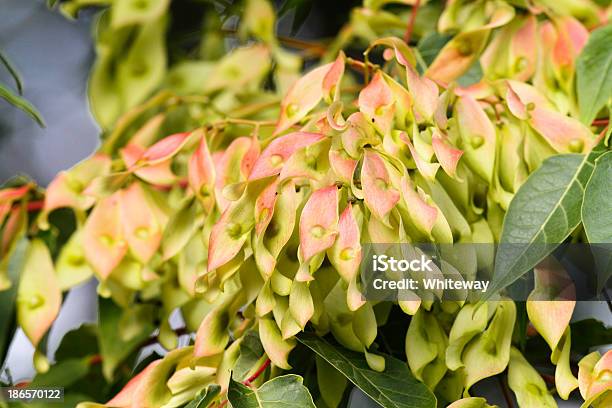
(62, 374)
(21, 103)
(393, 388)
(8, 297)
(542, 214)
(597, 205)
(112, 347)
(78, 343)
(430, 45)
(596, 210)
(589, 333)
(594, 74)
(251, 351)
(205, 397)
(472, 76)
(279, 392)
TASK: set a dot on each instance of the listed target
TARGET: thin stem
(411, 21)
(316, 49)
(35, 205)
(312, 47)
(600, 122)
(247, 110)
(361, 65)
(252, 378)
(249, 122)
(257, 373)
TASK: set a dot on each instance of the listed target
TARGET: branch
(410, 27)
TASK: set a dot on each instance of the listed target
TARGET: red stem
(410, 26)
(22, 384)
(600, 122)
(257, 373)
(35, 205)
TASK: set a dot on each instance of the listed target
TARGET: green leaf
(394, 387)
(62, 374)
(21, 103)
(112, 347)
(13, 71)
(205, 397)
(8, 297)
(596, 210)
(78, 343)
(594, 74)
(251, 351)
(472, 76)
(542, 214)
(430, 46)
(592, 333)
(597, 205)
(283, 391)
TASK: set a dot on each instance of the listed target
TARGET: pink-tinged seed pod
(447, 155)
(379, 195)
(201, 174)
(319, 222)
(272, 159)
(345, 254)
(304, 95)
(142, 230)
(103, 238)
(377, 104)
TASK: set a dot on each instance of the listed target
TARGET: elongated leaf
(13, 71)
(594, 74)
(545, 210)
(597, 205)
(596, 210)
(21, 103)
(394, 387)
(205, 397)
(284, 391)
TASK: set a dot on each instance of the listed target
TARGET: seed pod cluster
(249, 218)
